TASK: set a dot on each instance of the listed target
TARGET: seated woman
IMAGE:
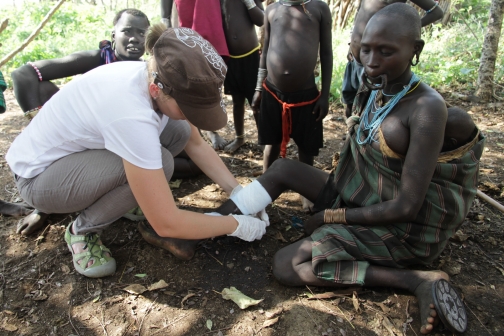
(378, 214)
(105, 144)
(33, 86)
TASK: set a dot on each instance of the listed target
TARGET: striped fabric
(364, 176)
(107, 54)
(3, 86)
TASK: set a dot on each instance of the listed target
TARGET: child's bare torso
(294, 38)
(240, 32)
(367, 9)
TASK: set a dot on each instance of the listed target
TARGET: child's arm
(255, 11)
(432, 11)
(27, 83)
(166, 10)
(256, 101)
(321, 108)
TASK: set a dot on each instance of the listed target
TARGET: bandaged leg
(252, 199)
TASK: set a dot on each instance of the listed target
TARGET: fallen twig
(146, 313)
(488, 331)
(490, 200)
(169, 324)
(334, 312)
(70, 319)
(214, 258)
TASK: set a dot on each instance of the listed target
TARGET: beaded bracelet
(430, 10)
(335, 216)
(30, 114)
(36, 70)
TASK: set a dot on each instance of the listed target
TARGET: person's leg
(175, 141)
(217, 141)
(31, 223)
(14, 209)
(270, 154)
(292, 266)
(283, 175)
(238, 119)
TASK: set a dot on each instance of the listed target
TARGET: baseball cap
(192, 72)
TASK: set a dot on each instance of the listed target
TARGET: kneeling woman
(106, 141)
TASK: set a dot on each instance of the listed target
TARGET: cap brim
(208, 119)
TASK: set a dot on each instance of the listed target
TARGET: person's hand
(256, 103)
(262, 215)
(314, 222)
(321, 109)
(249, 228)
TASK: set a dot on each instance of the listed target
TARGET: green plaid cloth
(3, 86)
(364, 176)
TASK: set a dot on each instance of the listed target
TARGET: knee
(279, 167)
(168, 163)
(283, 270)
(175, 136)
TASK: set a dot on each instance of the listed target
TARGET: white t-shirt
(106, 108)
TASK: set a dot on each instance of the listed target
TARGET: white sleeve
(136, 140)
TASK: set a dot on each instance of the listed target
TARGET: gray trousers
(94, 182)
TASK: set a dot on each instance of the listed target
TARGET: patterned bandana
(107, 54)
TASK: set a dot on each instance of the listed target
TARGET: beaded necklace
(380, 113)
(297, 3)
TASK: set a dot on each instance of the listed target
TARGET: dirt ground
(41, 294)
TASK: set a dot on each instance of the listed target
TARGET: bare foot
(234, 145)
(423, 292)
(307, 205)
(15, 210)
(31, 223)
(183, 249)
(217, 141)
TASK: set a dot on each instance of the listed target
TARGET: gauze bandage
(251, 199)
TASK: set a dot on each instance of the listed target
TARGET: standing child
(288, 102)
(240, 19)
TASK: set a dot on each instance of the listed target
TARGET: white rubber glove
(249, 228)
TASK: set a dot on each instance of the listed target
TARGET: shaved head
(402, 17)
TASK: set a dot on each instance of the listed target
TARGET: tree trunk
(33, 34)
(489, 51)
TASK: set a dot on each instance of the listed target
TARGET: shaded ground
(41, 294)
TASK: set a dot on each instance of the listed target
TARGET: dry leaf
(185, 298)
(135, 289)
(40, 297)
(9, 327)
(238, 297)
(279, 236)
(270, 315)
(326, 295)
(175, 184)
(388, 325)
(269, 323)
(65, 269)
(383, 307)
(355, 301)
(158, 285)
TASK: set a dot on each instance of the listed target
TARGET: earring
(417, 60)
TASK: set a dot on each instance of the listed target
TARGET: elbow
(408, 211)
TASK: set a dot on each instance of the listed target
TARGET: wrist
(261, 76)
(249, 4)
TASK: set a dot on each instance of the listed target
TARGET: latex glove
(262, 215)
(212, 214)
(249, 228)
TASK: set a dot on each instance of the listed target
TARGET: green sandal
(135, 214)
(102, 265)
